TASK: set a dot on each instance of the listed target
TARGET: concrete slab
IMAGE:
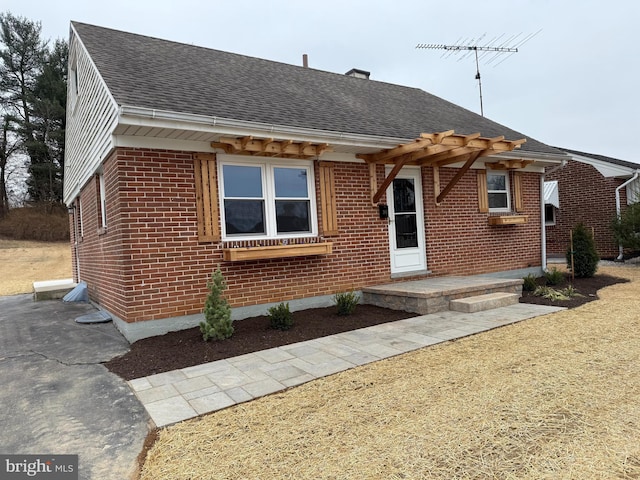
(52, 289)
(57, 397)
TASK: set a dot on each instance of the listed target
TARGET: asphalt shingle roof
(159, 74)
(602, 158)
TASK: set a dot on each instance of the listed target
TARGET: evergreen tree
(626, 228)
(217, 313)
(48, 126)
(585, 255)
(32, 103)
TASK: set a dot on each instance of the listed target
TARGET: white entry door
(406, 223)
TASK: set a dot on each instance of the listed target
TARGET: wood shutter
(328, 198)
(483, 195)
(518, 201)
(207, 197)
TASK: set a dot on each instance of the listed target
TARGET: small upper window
(498, 191)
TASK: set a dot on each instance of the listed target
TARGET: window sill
(508, 219)
(277, 251)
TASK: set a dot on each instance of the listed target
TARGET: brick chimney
(354, 72)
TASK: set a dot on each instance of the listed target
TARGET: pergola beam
(438, 149)
(270, 147)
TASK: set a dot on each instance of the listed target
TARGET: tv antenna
(493, 48)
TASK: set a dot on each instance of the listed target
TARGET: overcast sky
(574, 84)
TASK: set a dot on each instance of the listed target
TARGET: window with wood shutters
(206, 197)
(328, 199)
(494, 194)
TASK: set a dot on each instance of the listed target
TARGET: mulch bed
(186, 348)
(586, 287)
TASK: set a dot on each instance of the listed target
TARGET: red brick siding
(149, 264)
(461, 242)
(585, 197)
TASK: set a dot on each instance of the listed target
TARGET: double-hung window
(266, 198)
(498, 191)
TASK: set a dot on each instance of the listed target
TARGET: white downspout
(543, 229)
(619, 208)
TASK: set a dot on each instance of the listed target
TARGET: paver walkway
(178, 395)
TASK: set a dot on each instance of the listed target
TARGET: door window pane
(404, 196)
(406, 231)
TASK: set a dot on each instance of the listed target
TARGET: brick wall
(585, 197)
(148, 263)
(459, 239)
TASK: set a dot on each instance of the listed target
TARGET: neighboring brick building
(586, 189)
(297, 183)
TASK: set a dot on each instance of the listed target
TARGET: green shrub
(550, 293)
(626, 228)
(217, 313)
(280, 317)
(585, 256)
(346, 302)
(570, 292)
(529, 284)
(553, 276)
(41, 222)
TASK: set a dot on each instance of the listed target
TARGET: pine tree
(217, 313)
(585, 255)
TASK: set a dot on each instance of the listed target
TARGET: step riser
(433, 303)
(481, 303)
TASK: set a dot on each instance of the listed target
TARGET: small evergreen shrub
(280, 317)
(553, 276)
(217, 313)
(529, 284)
(626, 228)
(346, 302)
(585, 255)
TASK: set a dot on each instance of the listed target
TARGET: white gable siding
(92, 114)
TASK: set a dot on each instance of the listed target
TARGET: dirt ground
(25, 262)
(551, 397)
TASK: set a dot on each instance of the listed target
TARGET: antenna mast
(471, 46)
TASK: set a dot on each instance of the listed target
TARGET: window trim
(102, 201)
(268, 184)
(507, 190)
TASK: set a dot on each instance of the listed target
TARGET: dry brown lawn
(24, 262)
(551, 397)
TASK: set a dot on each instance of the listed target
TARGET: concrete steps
(480, 303)
(439, 294)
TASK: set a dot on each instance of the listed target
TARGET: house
(297, 183)
(589, 189)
